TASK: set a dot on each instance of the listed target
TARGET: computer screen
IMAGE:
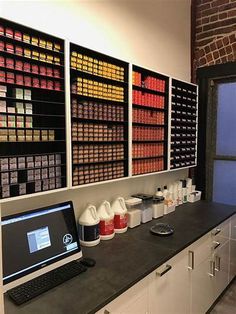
(35, 239)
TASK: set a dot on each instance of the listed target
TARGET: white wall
(154, 34)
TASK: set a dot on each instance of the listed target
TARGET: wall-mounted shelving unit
(99, 116)
(183, 144)
(32, 111)
(35, 148)
(149, 121)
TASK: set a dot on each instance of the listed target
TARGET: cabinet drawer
(130, 301)
(200, 250)
(169, 287)
(221, 233)
(233, 227)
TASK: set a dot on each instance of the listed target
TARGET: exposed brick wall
(215, 32)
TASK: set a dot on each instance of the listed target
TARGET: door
(221, 143)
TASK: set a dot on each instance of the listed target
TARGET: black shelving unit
(150, 121)
(183, 124)
(99, 116)
(32, 110)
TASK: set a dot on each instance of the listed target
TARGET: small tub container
(194, 196)
(134, 212)
(146, 207)
(157, 206)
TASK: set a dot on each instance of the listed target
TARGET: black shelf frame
(100, 142)
(82, 98)
(29, 59)
(12, 99)
(144, 73)
(14, 85)
(183, 99)
(24, 44)
(75, 73)
(148, 157)
(88, 120)
(32, 115)
(44, 102)
(149, 141)
(31, 74)
(149, 91)
(150, 124)
(34, 168)
(96, 99)
(99, 162)
(147, 172)
(149, 108)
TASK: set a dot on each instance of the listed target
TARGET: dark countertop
(124, 260)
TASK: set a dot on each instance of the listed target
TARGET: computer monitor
(38, 241)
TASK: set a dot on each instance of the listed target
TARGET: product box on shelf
(22, 188)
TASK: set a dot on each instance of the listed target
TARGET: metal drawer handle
(216, 231)
(168, 267)
(212, 272)
(190, 260)
(216, 244)
(217, 266)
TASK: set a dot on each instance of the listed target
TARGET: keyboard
(45, 282)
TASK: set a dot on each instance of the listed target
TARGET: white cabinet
(202, 275)
(169, 287)
(233, 227)
(210, 274)
(132, 301)
(221, 260)
(232, 266)
(189, 282)
(203, 283)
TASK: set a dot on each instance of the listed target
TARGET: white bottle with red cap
(120, 211)
(106, 225)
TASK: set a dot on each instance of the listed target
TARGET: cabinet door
(169, 287)
(132, 301)
(233, 227)
(232, 265)
(221, 258)
(203, 283)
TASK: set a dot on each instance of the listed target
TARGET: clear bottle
(180, 192)
(184, 192)
(165, 191)
(159, 192)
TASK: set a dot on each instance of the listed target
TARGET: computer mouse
(88, 262)
(162, 229)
